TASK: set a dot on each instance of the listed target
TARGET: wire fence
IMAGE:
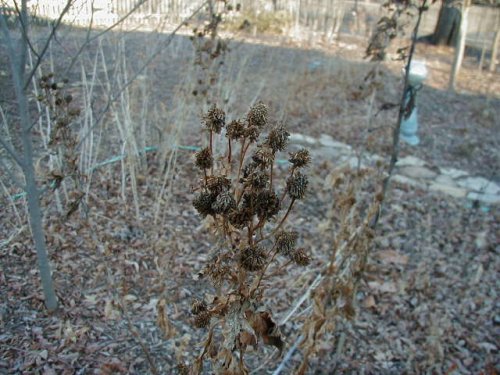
(322, 16)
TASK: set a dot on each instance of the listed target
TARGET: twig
(154, 370)
(113, 98)
(13, 154)
(47, 43)
(109, 28)
(12, 236)
(402, 110)
(11, 174)
(288, 355)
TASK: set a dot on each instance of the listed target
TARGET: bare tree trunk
(447, 27)
(17, 64)
(460, 48)
(494, 48)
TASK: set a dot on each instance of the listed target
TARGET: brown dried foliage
(237, 196)
(63, 139)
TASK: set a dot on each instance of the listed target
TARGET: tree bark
(494, 48)
(448, 26)
(460, 46)
(17, 66)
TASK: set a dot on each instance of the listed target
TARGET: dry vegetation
(131, 259)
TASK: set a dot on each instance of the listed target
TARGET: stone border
(410, 170)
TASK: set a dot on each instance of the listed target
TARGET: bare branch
(47, 44)
(402, 108)
(12, 176)
(13, 154)
(89, 40)
(113, 98)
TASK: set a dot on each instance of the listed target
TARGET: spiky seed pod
(263, 156)
(183, 369)
(224, 203)
(285, 242)
(257, 116)
(300, 257)
(277, 139)
(240, 218)
(215, 119)
(203, 203)
(202, 319)
(300, 158)
(258, 180)
(296, 185)
(249, 202)
(204, 159)
(253, 258)
(235, 130)
(74, 112)
(217, 272)
(252, 133)
(198, 306)
(218, 184)
(248, 170)
(268, 204)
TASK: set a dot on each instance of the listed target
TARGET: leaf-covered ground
(428, 301)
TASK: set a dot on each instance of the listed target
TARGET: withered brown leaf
(265, 327)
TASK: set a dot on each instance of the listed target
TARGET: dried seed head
(202, 319)
(257, 116)
(215, 119)
(248, 170)
(249, 203)
(300, 257)
(198, 306)
(286, 241)
(300, 158)
(277, 139)
(296, 185)
(218, 184)
(217, 272)
(235, 130)
(203, 203)
(253, 258)
(257, 180)
(263, 156)
(204, 159)
(252, 133)
(68, 98)
(182, 369)
(240, 218)
(268, 204)
(224, 203)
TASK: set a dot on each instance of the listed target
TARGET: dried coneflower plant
(209, 49)
(238, 195)
(63, 139)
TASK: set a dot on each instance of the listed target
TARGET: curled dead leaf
(162, 319)
(265, 327)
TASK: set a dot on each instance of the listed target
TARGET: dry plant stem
(132, 330)
(262, 273)
(402, 105)
(271, 177)
(284, 217)
(244, 148)
(106, 30)
(47, 42)
(207, 344)
(288, 355)
(112, 98)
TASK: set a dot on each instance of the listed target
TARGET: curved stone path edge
(410, 170)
